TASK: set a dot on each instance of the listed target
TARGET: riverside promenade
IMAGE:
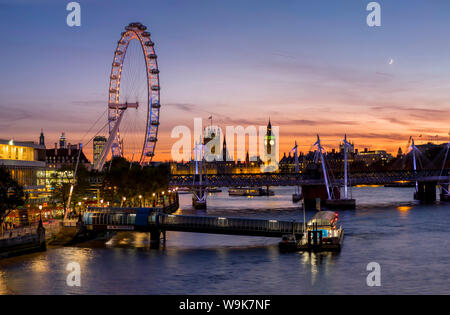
(24, 240)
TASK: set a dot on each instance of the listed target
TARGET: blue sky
(312, 66)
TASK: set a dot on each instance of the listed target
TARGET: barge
(322, 234)
(248, 191)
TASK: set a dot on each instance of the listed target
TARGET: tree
(131, 181)
(11, 195)
(62, 180)
(60, 183)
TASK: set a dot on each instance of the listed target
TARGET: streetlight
(140, 201)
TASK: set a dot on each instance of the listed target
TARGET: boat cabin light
(324, 218)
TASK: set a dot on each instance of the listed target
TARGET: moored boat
(183, 190)
(249, 191)
(214, 190)
(322, 235)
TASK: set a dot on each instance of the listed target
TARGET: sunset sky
(311, 66)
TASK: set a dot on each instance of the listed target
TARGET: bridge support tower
(155, 238)
(199, 199)
(426, 192)
(445, 192)
(312, 192)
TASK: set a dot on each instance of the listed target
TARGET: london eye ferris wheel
(134, 98)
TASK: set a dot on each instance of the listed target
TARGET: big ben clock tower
(269, 142)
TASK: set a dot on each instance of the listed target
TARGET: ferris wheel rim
(137, 31)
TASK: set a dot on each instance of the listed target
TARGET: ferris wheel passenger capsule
(156, 105)
(146, 34)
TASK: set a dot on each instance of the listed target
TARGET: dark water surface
(410, 241)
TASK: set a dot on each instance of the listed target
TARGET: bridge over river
(315, 185)
(300, 179)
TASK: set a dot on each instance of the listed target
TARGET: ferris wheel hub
(123, 106)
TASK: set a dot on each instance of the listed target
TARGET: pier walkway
(147, 219)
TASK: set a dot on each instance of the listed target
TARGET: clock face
(272, 142)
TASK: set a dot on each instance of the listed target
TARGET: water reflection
(403, 210)
(199, 263)
(318, 263)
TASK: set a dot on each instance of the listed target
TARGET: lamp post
(154, 200)
(40, 212)
(140, 201)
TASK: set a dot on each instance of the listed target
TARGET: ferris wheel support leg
(102, 159)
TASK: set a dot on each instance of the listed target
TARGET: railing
(206, 224)
(18, 232)
(50, 229)
(290, 179)
(222, 223)
(70, 223)
(108, 218)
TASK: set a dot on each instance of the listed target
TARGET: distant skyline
(311, 66)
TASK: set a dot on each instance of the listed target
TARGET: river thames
(409, 240)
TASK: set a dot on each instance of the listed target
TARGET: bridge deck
(289, 179)
(148, 220)
(230, 226)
